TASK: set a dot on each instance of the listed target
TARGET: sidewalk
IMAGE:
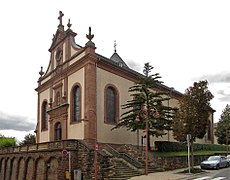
(166, 175)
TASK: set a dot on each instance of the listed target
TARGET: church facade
(81, 93)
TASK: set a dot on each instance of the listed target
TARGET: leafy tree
(7, 141)
(193, 114)
(146, 101)
(224, 122)
(2, 136)
(28, 140)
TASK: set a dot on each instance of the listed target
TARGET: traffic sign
(65, 152)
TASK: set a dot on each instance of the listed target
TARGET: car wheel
(227, 164)
(217, 166)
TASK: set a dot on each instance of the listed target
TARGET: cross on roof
(115, 46)
(60, 17)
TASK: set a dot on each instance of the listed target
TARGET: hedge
(167, 146)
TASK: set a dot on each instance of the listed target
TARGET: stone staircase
(122, 171)
(126, 165)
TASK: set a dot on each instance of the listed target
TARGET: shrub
(7, 142)
(167, 146)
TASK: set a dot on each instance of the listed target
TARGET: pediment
(57, 38)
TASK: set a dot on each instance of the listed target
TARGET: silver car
(228, 158)
(214, 162)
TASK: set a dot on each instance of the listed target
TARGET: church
(81, 93)
(80, 98)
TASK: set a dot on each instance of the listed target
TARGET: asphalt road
(223, 173)
(214, 175)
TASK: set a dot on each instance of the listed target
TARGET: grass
(185, 153)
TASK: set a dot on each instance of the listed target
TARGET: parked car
(228, 158)
(214, 162)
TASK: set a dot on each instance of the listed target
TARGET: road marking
(203, 178)
(210, 178)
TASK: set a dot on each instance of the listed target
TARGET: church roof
(117, 59)
(112, 60)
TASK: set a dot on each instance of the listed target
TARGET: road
(215, 175)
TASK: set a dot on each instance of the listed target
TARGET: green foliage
(193, 170)
(147, 103)
(28, 140)
(224, 122)
(2, 136)
(193, 115)
(7, 141)
(166, 146)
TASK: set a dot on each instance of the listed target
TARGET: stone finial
(89, 36)
(41, 71)
(69, 25)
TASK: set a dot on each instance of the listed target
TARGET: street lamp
(226, 141)
(146, 143)
(147, 136)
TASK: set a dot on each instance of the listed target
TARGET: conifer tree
(224, 122)
(146, 100)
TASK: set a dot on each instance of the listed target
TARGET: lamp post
(146, 144)
(147, 136)
(226, 141)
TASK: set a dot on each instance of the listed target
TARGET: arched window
(111, 106)
(76, 103)
(58, 131)
(44, 116)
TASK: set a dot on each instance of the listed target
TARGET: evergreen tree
(28, 140)
(147, 101)
(193, 114)
(224, 122)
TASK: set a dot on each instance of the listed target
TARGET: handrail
(130, 159)
(125, 156)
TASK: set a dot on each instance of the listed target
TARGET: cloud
(225, 95)
(18, 123)
(134, 65)
(221, 77)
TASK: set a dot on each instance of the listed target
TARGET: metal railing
(124, 156)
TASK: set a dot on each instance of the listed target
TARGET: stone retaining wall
(46, 161)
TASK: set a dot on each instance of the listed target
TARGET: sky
(185, 41)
